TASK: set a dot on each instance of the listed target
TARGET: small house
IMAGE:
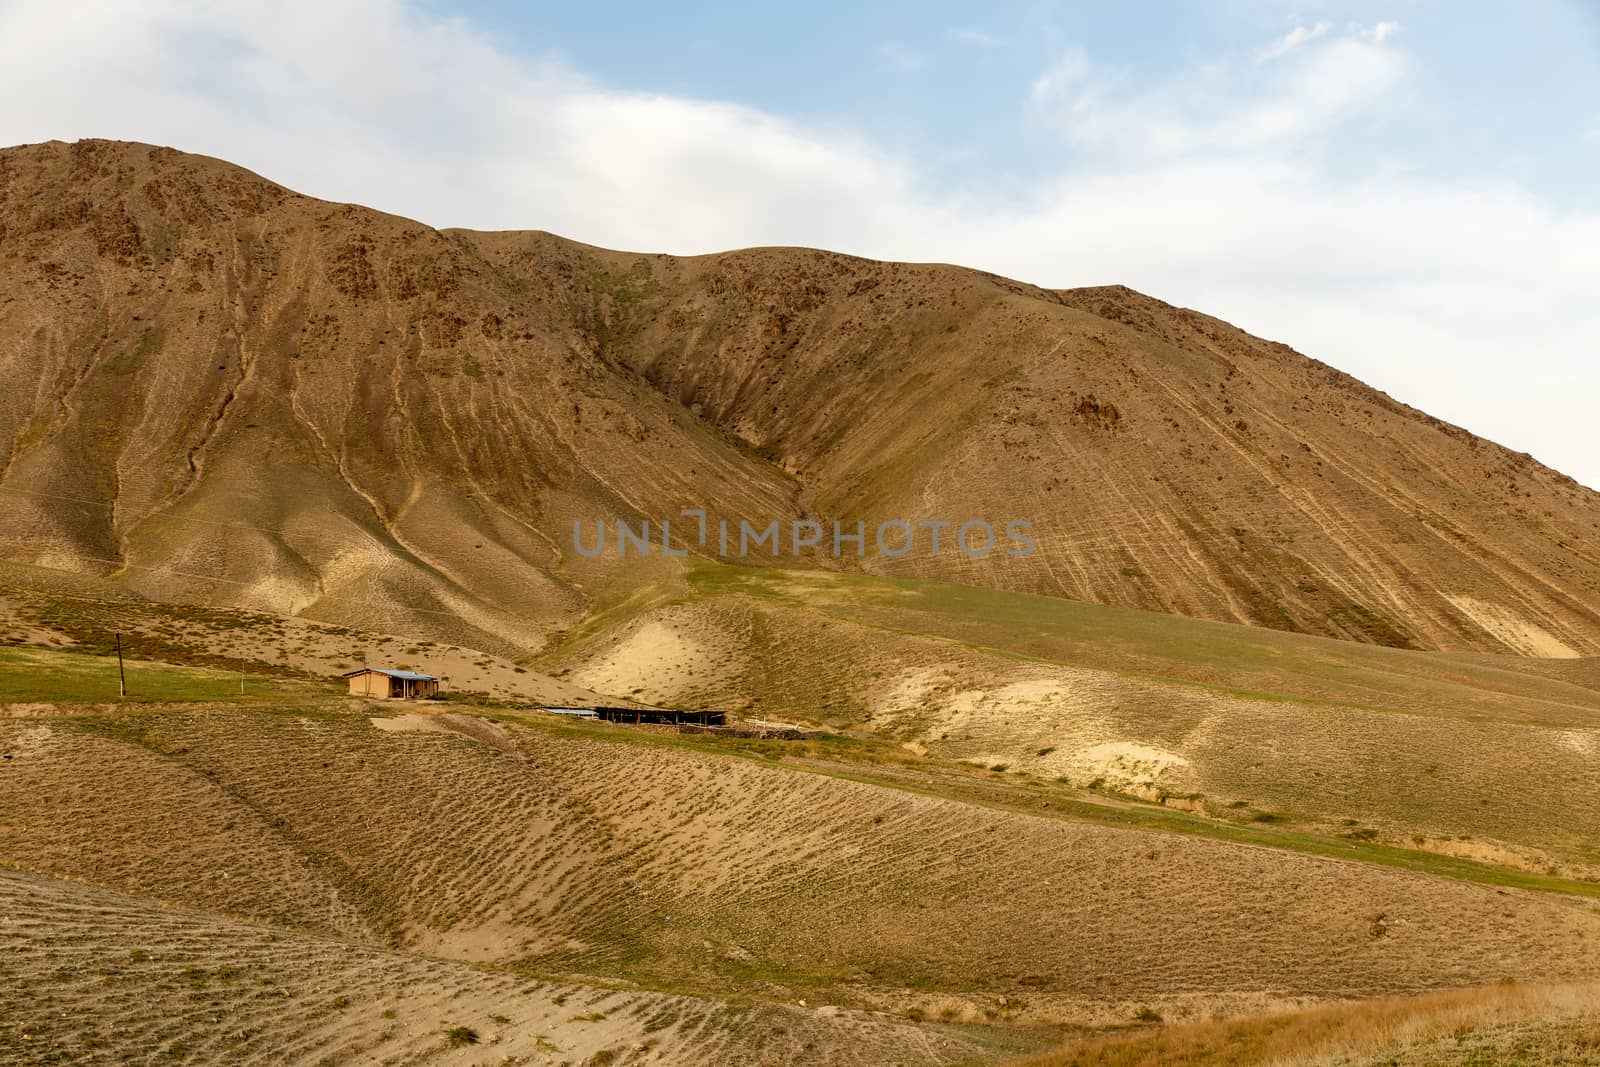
(386, 684)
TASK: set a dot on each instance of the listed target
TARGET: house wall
(382, 687)
(370, 685)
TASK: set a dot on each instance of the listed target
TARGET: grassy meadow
(31, 675)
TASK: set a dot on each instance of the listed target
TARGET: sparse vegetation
(30, 674)
(461, 1036)
(230, 400)
(1505, 1025)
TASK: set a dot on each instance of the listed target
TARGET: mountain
(221, 390)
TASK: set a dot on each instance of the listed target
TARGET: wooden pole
(122, 678)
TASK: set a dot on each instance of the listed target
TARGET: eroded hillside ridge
(227, 391)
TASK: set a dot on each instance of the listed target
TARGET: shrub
(460, 1036)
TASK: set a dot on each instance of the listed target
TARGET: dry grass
(1489, 757)
(89, 976)
(836, 872)
(603, 852)
(54, 611)
(1503, 1025)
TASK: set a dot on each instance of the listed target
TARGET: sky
(1404, 189)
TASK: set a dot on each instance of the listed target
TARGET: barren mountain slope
(1166, 459)
(247, 396)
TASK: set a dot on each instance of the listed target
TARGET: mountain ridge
(331, 411)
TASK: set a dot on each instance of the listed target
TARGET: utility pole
(122, 678)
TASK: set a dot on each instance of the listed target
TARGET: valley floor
(346, 882)
(1290, 850)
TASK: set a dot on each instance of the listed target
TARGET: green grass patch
(62, 677)
(877, 762)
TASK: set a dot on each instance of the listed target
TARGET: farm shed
(672, 716)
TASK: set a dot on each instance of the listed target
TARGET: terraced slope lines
(221, 390)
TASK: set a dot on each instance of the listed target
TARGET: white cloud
(1291, 41)
(1471, 300)
(1215, 109)
(1058, 81)
(1382, 31)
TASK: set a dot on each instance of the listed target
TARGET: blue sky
(1500, 92)
(1403, 189)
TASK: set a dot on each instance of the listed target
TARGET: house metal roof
(410, 676)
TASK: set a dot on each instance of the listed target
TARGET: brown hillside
(98, 977)
(229, 392)
(1167, 460)
(617, 853)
